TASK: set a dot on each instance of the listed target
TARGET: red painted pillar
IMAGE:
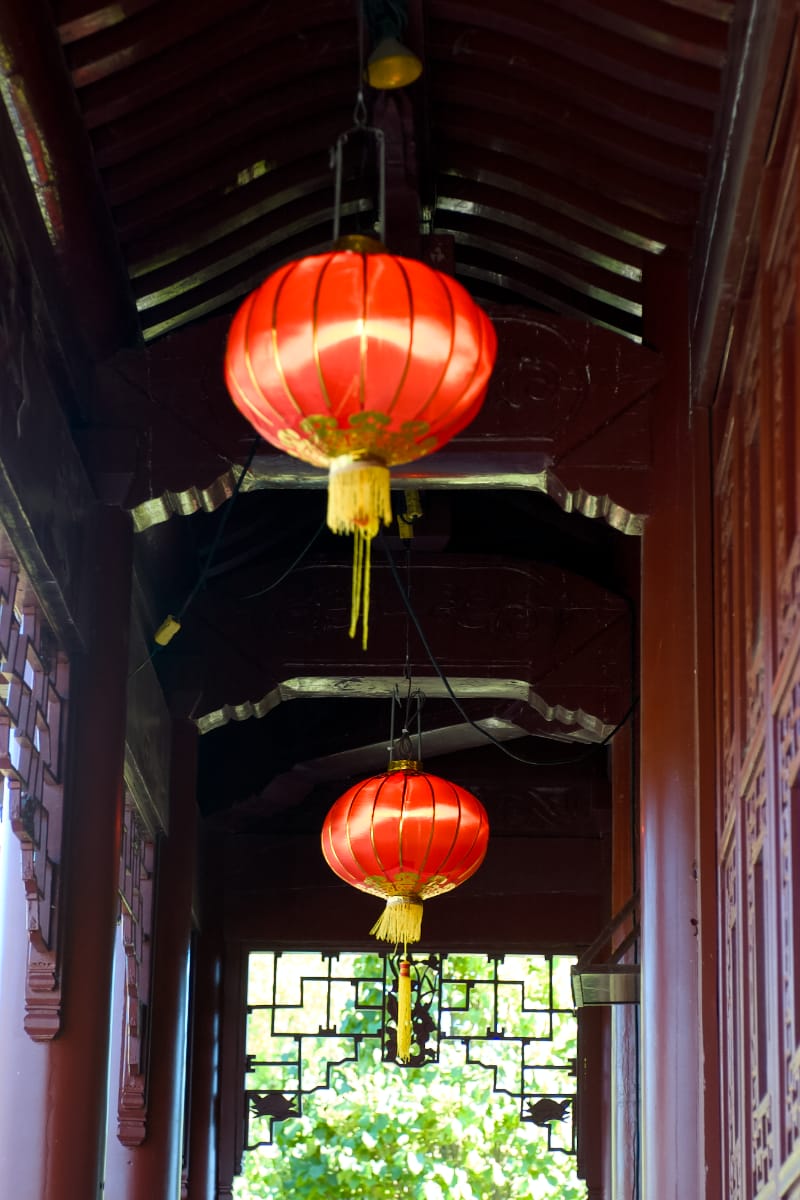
(155, 1166)
(675, 571)
(624, 1018)
(593, 1103)
(205, 1066)
(73, 1136)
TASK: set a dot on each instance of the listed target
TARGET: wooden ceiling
(551, 151)
(558, 143)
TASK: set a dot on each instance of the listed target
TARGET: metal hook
(337, 162)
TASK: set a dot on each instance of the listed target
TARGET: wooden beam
(567, 413)
(41, 106)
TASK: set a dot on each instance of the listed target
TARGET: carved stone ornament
(136, 918)
(34, 677)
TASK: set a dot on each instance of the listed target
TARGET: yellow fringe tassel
(404, 1012)
(359, 500)
(400, 922)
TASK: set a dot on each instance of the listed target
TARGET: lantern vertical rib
(345, 871)
(451, 347)
(275, 349)
(362, 388)
(350, 808)
(256, 418)
(456, 831)
(423, 865)
(410, 344)
(315, 337)
(466, 856)
(401, 821)
(375, 799)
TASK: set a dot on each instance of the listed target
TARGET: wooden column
(155, 1166)
(78, 1057)
(672, 755)
(205, 1067)
(594, 1089)
(624, 1018)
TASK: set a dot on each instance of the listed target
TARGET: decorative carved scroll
(783, 367)
(751, 539)
(757, 832)
(789, 874)
(731, 1025)
(34, 677)
(136, 914)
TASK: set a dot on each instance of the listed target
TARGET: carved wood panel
(732, 1044)
(726, 639)
(34, 678)
(136, 886)
(789, 924)
(759, 962)
(757, 619)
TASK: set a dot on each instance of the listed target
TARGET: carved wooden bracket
(34, 677)
(136, 882)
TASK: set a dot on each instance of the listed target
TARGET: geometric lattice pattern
(136, 886)
(508, 1015)
(34, 677)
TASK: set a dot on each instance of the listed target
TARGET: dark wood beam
(759, 71)
(63, 183)
(533, 895)
(567, 413)
(554, 645)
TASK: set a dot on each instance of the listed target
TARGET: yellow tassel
(400, 922)
(359, 499)
(404, 1012)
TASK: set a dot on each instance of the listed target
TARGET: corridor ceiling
(559, 143)
(551, 152)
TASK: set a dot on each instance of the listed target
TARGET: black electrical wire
(289, 569)
(157, 646)
(220, 530)
(553, 762)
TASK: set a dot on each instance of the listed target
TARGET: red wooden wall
(757, 603)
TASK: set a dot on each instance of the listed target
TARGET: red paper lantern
(405, 835)
(357, 360)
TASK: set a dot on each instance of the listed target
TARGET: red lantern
(357, 360)
(405, 835)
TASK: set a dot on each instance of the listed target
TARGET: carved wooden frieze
(567, 413)
(136, 886)
(34, 689)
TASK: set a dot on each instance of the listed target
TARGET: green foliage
(431, 1133)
